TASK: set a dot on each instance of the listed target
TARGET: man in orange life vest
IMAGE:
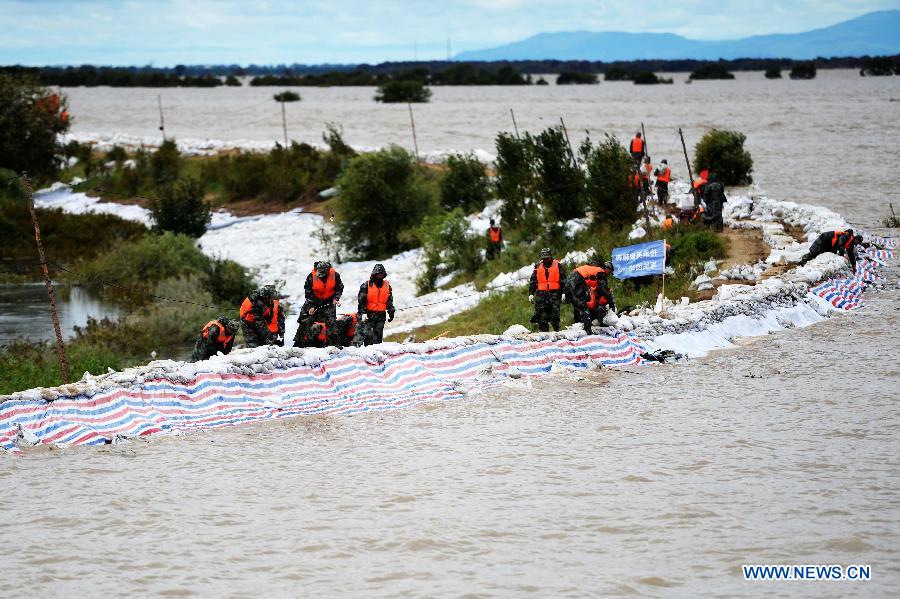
(842, 243)
(375, 304)
(495, 241)
(545, 291)
(699, 185)
(217, 336)
(323, 288)
(262, 318)
(637, 147)
(663, 175)
(646, 170)
(589, 294)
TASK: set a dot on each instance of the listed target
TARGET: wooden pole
(644, 135)
(162, 123)
(63, 365)
(663, 310)
(284, 123)
(568, 143)
(690, 173)
(412, 122)
(515, 126)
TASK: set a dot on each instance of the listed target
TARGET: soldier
(663, 175)
(637, 148)
(217, 336)
(262, 318)
(323, 289)
(842, 243)
(714, 198)
(494, 241)
(545, 291)
(589, 293)
(375, 304)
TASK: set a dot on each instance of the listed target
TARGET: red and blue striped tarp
(846, 294)
(345, 383)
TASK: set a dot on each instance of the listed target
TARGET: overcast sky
(168, 32)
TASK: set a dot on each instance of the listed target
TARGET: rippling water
(655, 481)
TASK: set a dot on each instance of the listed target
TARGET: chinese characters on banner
(639, 260)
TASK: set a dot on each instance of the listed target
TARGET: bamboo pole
(162, 123)
(412, 122)
(688, 162)
(515, 126)
(284, 123)
(63, 365)
(568, 143)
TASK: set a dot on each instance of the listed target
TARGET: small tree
(773, 73)
(286, 96)
(448, 247)
(804, 70)
(515, 178)
(464, 183)
(165, 163)
(561, 183)
(232, 81)
(609, 193)
(382, 198)
(712, 71)
(577, 78)
(402, 91)
(878, 66)
(180, 208)
(31, 119)
(723, 153)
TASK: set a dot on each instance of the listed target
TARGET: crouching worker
(310, 334)
(316, 334)
(262, 318)
(545, 291)
(589, 294)
(217, 336)
(375, 304)
(842, 243)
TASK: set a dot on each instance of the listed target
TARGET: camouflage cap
(323, 267)
(269, 291)
(546, 253)
(378, 269)
(231, 324)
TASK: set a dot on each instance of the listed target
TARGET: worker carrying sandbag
(587, 289)
(216, 336)
(262, 318)
(842, 243)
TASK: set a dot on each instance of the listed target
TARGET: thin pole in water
(162, 123)
(663, 309)
(515, 126)
(646, 145)
(284, 123)
(690, 173)
(412, 122)
(568, 143)
(63, 365)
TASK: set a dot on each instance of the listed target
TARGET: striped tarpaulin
(846, 294)
(344, 384)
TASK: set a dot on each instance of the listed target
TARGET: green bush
(560, 182)
(144, 263)
(448, 247)
(382, 197)
(166, 163)
(180, 208)
(287, 96)
(515, 176)
(879, 66)
(773, 73)
(712, 71)
(576, 78)
(402, 91)
(464, 184)
(31, 119)
(695, 243)
(722, 152)
(648, 78)
(232, 81)
(228, 282)
(609, 192)
(117, 154)
(803, 70)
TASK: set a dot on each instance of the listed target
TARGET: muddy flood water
(655, 481)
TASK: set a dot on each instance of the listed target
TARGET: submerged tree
(286, 96)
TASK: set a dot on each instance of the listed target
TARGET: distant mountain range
(874, 34)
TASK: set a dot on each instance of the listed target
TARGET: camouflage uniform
(714, 198)
(325, 310)
(257, 333)
(375, 320)
(207, 345)
(579, 294)
(546, 303)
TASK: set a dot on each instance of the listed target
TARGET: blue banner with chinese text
(639, 260)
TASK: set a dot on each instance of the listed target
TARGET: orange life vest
(222, 337)
(596, 299)
(637, 144)
(64, 116)
(548, 277)
(666, 175)
(351, 330)
(699, 183)
(377, 297)
(270, 314)
(323, 335)
(495, 234)
(668, 223)
(323, 290)
(590, 274)
(636, 181)
(646, 169)
(834, 240)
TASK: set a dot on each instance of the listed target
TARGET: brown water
(655, 482)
